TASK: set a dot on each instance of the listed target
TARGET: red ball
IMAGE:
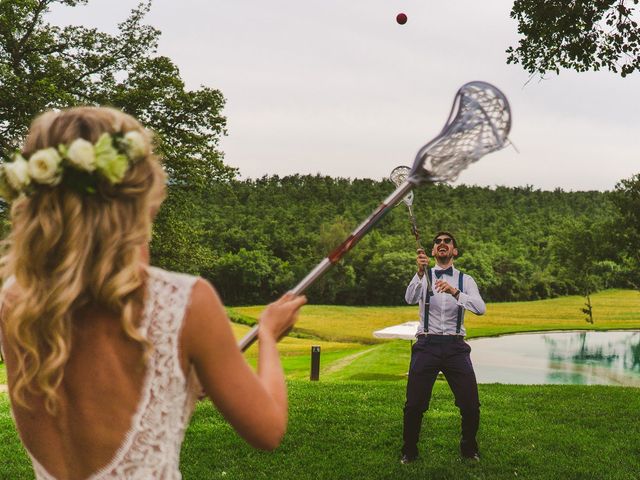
(401, 18)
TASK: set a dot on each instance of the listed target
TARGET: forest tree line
(255, 239)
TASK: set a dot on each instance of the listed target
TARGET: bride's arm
(254, 404)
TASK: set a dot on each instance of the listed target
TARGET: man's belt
(430, 338)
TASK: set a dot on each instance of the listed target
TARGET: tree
(626, 198)
(387, 277)
(43, 66)
(577, 34)
(250, 277)
(337, 283)
(581, 250)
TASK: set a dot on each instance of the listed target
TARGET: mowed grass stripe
(292, 346)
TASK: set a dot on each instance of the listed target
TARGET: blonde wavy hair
(67, 250)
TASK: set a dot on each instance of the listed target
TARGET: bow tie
(446, 271)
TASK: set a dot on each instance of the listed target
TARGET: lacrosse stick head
(398, 176)
(479, 123)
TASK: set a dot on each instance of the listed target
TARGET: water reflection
(583, 358)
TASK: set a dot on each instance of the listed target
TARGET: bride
(105, 354)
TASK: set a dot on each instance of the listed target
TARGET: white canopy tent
(404, 331)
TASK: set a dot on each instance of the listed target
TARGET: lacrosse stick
(398, 176)
(478, 124)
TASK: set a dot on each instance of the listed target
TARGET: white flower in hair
(82, 155)
(136, 145)
(44, 166)
(17, 173)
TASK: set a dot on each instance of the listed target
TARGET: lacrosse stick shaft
(335, 256)
(414, 227)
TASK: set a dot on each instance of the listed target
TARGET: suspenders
(459, 322)
(427, 300)
(425, 320)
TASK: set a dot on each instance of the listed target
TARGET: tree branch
(38, 11)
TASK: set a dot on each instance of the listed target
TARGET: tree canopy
(577, 34)
(43, 66)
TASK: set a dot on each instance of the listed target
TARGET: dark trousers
(430, 355)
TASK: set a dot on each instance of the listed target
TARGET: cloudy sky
(339, 88)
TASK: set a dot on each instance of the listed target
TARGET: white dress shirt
(443, 307)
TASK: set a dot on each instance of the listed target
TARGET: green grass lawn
(352, 430)
(349, 425)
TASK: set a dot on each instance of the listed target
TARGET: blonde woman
(106, 355)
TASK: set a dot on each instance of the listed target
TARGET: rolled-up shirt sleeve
(469, 298)
(414, 289)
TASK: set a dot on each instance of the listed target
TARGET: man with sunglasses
(443, 294)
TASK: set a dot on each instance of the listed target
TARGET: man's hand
(442, 286)
(423, 262)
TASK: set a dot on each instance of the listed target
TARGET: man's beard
(444, 256)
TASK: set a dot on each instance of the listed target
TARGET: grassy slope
(343, 332)
(612, 309)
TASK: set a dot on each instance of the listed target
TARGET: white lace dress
(151, 448)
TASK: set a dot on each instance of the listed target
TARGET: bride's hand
(279, 316)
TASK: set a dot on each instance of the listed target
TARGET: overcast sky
(339, 88)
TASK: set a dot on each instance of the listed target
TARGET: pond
(578, 358)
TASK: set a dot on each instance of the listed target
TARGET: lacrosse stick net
(479, 123)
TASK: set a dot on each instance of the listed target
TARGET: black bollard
(315, 363)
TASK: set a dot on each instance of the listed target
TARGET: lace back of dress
(168, 397)
(151, 448)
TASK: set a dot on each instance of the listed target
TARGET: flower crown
(80, 165)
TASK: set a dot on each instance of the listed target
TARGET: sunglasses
(446, 240)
